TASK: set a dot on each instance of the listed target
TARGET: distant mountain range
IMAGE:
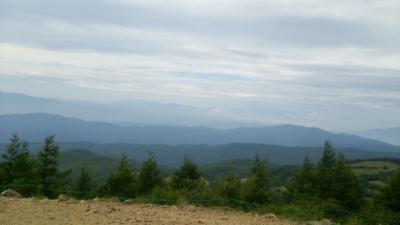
(389, 135)
(34, 127)
(129, 112)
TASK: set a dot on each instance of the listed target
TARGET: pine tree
(346, 187)
(390, 196)
(187, 176)
(325, 172)
(303, 182)
(19, 167)
(16, 159)
(258, 186)
(122, 183)
(328, 159)
(231, 189)
(48, 172)
(84, 184)
(335, 180)
(149, 176)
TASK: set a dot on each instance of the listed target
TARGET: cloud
(307, 62)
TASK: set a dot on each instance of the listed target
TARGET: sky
(333, 64)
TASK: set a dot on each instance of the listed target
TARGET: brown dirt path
(52, 212)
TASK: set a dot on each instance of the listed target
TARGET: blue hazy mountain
(389, 135)
(34, 127)
(129, 112)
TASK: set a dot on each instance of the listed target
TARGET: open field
(52, 212)
(373, 167)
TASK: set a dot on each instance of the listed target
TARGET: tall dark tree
(328, 159)
(258, 185)
(122, 183)
(18, 167)
(325, 174)
(149, 176)
(187, 176)
(84, 185)
(336, 180)
(390, 196)
(231, 189)
(303, 182)
(346, 187)
(16, 159)
(47, 165)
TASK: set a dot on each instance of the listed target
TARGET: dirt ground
(26, 211)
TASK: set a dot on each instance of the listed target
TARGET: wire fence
(221, 201)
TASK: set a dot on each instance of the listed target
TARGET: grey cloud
(279, 68)
(292, 30)
(352, 77)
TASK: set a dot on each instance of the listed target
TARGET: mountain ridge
(34, 127)
(124, 112)
(390, 135)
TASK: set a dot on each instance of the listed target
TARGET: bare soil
(24, 211)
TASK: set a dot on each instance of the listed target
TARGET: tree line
(329, 183)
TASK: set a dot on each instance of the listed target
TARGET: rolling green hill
(372, 167)
(97, 164)
(373, 173)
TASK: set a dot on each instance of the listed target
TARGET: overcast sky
(333, 64)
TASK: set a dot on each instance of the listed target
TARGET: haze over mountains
(34, 127)
(129, 112)
(77, 126)
(389, 135)
(33, 118)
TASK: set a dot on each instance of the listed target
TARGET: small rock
(82, 201)
(128, 201)
(10, 193)
(96, 199)
(271, 216)
(62, 198)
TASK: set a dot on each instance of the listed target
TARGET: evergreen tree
(122, 183)
(16, 159)
(328, 159)
(325, 174)
(346, 187)
(84, 184)
(187, 176)
(19, 167)
(335, 180)
(390, 196)
(48, 172)
(303, 182)
(149, 176)
(258, 185)
(231, 189)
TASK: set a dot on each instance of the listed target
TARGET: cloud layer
(332, 64)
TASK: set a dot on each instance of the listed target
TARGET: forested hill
(172, 155)
(34, 127)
